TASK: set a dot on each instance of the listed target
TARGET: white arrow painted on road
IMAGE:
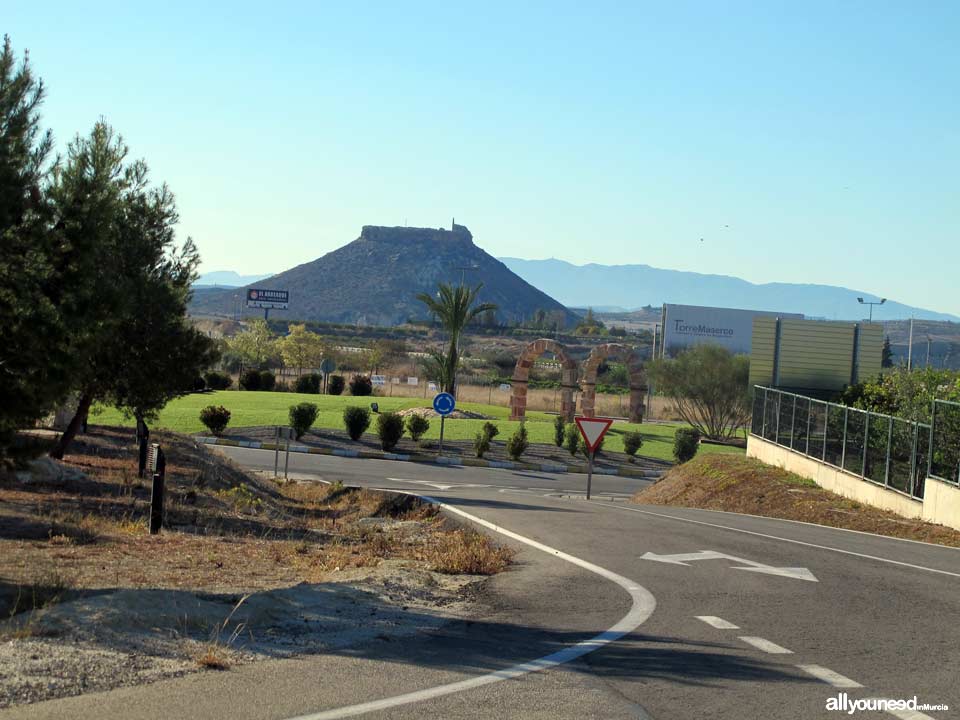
(797, 573)
(437, 486)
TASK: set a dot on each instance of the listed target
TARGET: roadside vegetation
(253, 409)
(744, 485)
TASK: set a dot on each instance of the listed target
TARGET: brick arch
(521, 375)
(638, 379)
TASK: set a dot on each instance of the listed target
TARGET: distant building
(684, 326)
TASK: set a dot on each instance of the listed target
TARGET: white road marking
(642, 607)
(768, 647)
(783, 539)
(719, 623)
(829, 676)
(797, 573)
(438, 486)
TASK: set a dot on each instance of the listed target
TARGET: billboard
(260, 298)
(688, 325)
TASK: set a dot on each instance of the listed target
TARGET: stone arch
(521, 375)
(638, 379)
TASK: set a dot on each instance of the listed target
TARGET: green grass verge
(271, 408)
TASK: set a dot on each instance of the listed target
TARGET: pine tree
(34, 364)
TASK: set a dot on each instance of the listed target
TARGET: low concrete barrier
(941, 502)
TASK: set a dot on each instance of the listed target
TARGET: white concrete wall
(843, 483)
(941, 503)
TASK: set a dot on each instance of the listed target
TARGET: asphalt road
(750, 618)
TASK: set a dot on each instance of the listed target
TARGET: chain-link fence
(879, 448)
(945, 440)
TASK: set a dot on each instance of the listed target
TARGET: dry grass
(225, 531)
(466, 552)
(734, 483)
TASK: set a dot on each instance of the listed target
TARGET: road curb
(430, 459)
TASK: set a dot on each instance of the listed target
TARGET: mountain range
(634, 286)
(375, 280)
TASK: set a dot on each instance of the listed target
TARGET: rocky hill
(375, 279)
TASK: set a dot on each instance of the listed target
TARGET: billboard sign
(260, 298)
(687, 325)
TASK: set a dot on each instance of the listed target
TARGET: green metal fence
(881, 449)
(944, 463)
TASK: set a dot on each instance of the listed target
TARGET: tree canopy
(708, 386)
(454, 306)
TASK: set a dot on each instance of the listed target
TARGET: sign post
(443, 404)
(592, 430)
(327, 367)
(266, 299)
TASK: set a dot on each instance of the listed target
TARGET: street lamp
(871, 304)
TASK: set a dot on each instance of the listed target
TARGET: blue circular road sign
(444, 403)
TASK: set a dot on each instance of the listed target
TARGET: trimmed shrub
(360, 386)
(335, 384)
(685, 444)
(267, 380)
(481, 443)
(389, 429)
(302, 418)
(218, 380)
(250, 380)
(632, 441)
(417, 425)
(559, 430)
(572, 438)
(517, 444)
(216, 418)
(356, 420)
(309, 384)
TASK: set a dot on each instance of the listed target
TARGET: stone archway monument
(521, 376)
(638, 379)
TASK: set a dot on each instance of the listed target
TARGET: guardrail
(881, 449)
(944, 462)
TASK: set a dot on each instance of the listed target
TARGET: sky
(813, 142)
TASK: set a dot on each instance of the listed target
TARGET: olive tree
(708, 386)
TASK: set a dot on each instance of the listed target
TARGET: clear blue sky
(825, 135)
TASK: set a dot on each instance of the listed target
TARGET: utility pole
(927, 364)
(910, 348)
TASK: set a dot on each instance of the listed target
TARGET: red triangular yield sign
(592, 430)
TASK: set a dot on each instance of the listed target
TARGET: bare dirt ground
(734, 483)
(245, 569)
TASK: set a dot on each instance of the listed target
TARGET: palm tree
(454, 307)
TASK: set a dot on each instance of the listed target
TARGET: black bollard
(158, 466)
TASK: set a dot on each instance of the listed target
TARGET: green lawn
(271, 408)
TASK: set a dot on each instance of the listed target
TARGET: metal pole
(440, 450)
(809, 421)
(589, 472)
(910, 347)
(826, 424)
(933, 421)
(286, 462)
(843, 447)
(793, 422)
(886, 472)
(913, 459)
(866, 444)
(763, 424)
(276, 449)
